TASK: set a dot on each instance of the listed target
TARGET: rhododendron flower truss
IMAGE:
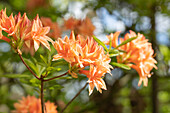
(7, 23)
(30, 104)
(138, 55)
(38, 34)
(23, 30)
(80, 52)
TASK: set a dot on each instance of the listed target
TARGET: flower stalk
(27, 65)
(74, 98)
(42, 94)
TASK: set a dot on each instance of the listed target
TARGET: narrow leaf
(120, 65)
(100, 43)
(59, 62)
(125, 42)
(43, 59)
(30, 64)
(114, 52)
(16, 76)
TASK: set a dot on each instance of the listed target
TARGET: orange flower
(38, 34)
(83, 27)
(95, 75)
(21, 29)
(71, 23)
(86, 28)
(8, 24)
(30, 104)
(81, 53)
(25, 28)
(66, 49)
(139, 54)
(55, 31)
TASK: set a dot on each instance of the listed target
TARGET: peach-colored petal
(36, 45)
(57, 57)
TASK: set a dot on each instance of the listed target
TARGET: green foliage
(125, 42)
(120, 65)
(100, 43)
(38, 69)
(15, 75)
(115, 52)
(166, 52)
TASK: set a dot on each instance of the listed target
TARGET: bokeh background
(150, 17)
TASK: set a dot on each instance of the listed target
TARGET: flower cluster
(138, 54)
(55, 30)
(31, 104)
(22, 30)
(83, 27)
(80, 53)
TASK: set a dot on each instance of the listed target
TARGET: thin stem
(28, 66)
(55, 77)
(74, 98)
(42, 95)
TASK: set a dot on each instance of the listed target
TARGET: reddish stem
(56, 77)
(28, 66)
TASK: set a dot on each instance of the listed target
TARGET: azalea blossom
(95, 75)
(83, 27)
(80, 52)
(55, 31)
(38, 34)
(7, 24)
(31, 104)
(22, 29)
(138, 55)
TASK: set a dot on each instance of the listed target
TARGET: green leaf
(100, 43)
(30, 64)
(54, 68)
(68, 77)
(114, 52)
(55, 87)
(52, 85)
(41, 64)
(35, 82)
(40, 70)
(16, 76)
(43, 59)
(4, 33)
(59, 62)
(49, 58)
(120, 65)
(125, 42)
